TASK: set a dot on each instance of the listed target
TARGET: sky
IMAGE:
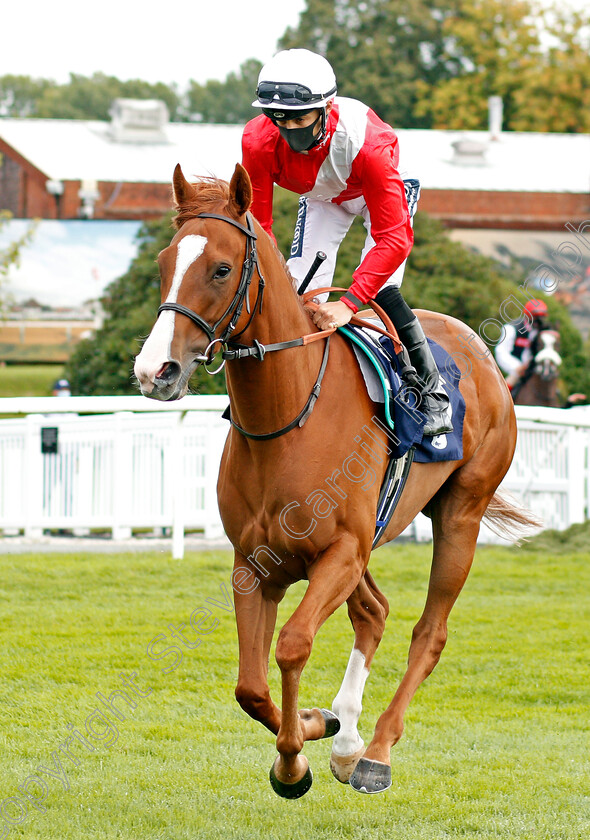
(170, 42)
(70, 262)
(141, 39)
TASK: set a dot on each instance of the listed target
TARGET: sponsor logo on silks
(412, 188)
(439, 441)
(297, 244)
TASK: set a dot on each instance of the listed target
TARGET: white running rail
(127, 463)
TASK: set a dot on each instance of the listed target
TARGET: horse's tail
(507, 519)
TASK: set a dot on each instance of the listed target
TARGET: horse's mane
(208, 193)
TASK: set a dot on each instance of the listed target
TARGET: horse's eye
(222, 272)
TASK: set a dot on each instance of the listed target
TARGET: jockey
(517, 348)
(343, 162)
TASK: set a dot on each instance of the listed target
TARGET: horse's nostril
(168, 373)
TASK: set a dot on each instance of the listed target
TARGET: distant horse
(538, 385)
(301, 420)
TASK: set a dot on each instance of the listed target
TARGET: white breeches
(321, 226)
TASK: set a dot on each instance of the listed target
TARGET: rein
(258, 350)
(303, 414)
(241, 295)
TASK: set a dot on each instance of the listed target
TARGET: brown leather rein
(258, 350)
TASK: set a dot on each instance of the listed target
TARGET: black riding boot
(434, 402)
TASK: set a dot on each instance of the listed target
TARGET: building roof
(77, 150)
(517, 162)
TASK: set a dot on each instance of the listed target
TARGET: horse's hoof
(342, 766)
(371, 776)
(293, 791)
(332, 723)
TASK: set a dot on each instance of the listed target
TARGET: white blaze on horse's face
(548, 360)
(155, 353)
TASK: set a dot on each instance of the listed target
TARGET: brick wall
(23, 192)
(132, 201)
(22, 187)
(508, 210)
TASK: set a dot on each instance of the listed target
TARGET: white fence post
(578, 450)
(216, 434)
(134, 468)
(122, 473)
(178, 487)
(33, 495)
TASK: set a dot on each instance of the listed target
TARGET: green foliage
(537, 61)
(425, 64)
(434, 64)
(19, 95)
(444, 276)
(383, 51)
(82, 98)
(10, 254)
(555, 95)
(103, 364)
(229, 101)
(441, 275)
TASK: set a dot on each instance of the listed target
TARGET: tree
(82, 98)
(441, 275)
(19, 95)
(90, 98)
(10, 254)
(556, 95)
(499, 48)
(228, 102)
(103, 364)
(384, 52)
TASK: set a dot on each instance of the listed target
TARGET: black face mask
(301, 139)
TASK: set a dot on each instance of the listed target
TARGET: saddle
(383, 370)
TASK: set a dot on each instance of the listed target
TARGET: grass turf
(496, 741)
(28, 380)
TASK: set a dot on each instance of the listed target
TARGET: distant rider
(343, 161)
(518, 347)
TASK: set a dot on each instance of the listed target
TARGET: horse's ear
(240, 192)
(183, 191)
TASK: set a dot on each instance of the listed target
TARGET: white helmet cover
(295, 79)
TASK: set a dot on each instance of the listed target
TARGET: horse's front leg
(332, 578)
(256, 616)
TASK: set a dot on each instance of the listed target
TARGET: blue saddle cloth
(402, 417)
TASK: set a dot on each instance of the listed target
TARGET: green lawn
(28, 380)
(496, 742)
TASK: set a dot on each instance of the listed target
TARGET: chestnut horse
(301, 472)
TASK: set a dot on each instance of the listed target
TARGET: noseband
(234, 310)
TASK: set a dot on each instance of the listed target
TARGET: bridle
(234, 310)
(257, 350)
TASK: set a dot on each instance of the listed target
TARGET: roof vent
(139, 121)
(495, 116)
(469, 152)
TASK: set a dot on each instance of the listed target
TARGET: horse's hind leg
(456, 518)
(367, 609)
